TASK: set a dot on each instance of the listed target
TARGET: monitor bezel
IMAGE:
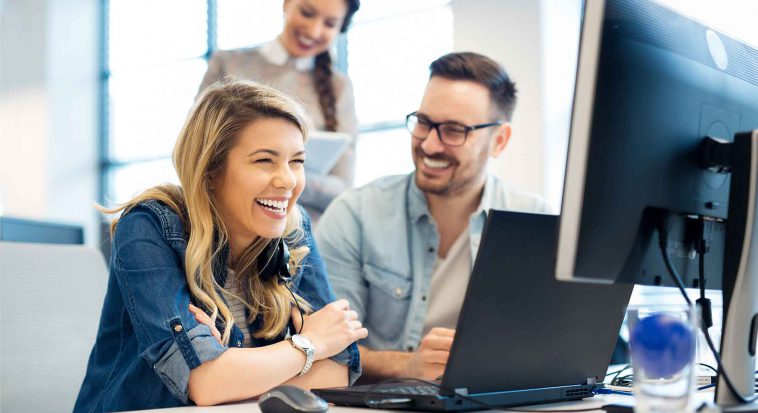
(579, 143)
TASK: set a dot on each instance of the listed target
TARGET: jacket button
(239, 343)
(178, 328)
(398, 292)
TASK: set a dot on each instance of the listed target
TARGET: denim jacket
(380, 245)
(148, 341)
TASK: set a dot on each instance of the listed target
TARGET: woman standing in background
(298, 63)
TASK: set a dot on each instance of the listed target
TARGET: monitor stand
(740, 282)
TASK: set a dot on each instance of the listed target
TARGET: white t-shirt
(449, 281)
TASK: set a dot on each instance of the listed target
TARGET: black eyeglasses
(450, 133)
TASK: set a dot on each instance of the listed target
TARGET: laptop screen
(519, 327)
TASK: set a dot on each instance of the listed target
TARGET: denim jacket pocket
(388, 303)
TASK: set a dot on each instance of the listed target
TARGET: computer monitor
(46, 232)
(650, 85)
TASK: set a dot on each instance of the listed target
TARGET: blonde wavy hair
(220, 112)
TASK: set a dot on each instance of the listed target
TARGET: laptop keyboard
(414, 390)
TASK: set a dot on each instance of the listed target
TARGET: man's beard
(442, 189)
(458, 182)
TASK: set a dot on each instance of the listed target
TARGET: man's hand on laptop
(429, 360)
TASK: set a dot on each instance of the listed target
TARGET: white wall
(24, 119)
(560, 22)
(508, 31)
(536, 42)
(48, 110)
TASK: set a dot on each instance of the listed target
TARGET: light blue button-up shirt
(379, 243)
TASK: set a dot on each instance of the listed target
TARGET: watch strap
(309, 357)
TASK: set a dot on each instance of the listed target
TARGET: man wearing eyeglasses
(401, 248)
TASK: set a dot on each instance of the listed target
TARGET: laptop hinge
(462, 390)
(591, 380)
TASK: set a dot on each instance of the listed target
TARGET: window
(389, 52)
(155, 60)
(244, 23)
(156, 55)
(735, 18)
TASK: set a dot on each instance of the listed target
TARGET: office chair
(50, 301)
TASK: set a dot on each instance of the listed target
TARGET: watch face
(301, 341)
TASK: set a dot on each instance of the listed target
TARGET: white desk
(597, 401)
(252, 407)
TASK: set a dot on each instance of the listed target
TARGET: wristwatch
(303, 344)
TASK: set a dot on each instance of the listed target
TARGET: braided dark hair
(322, 74)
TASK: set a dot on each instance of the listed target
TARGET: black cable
(662, 243)
(617, 380)
(627, 380)
(377, 404)
(300, 310)
(732, 388)
(662, 240)
(701, 268)
(624, 381)
(626, 367)
(706, 315)
(708, 366)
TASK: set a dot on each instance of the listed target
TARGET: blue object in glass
(662, 345)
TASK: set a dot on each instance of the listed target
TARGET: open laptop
(522, 336)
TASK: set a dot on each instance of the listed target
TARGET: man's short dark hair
(480, 69)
